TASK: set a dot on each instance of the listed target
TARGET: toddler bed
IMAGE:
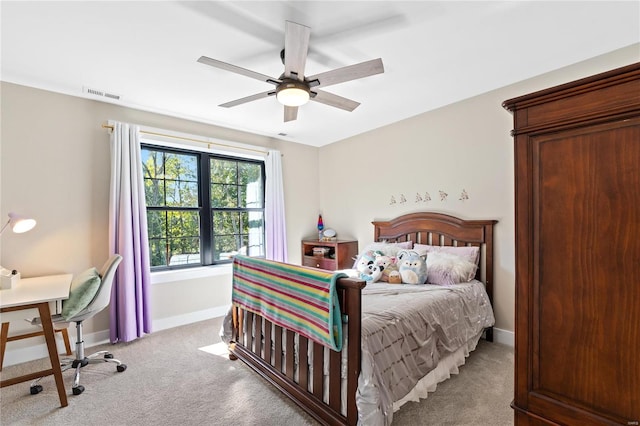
(395, 341)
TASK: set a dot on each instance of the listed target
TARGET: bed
(397, 340)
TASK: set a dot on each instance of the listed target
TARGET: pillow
(387, 249)
(447, 269)
(84, 287)
(472, 254)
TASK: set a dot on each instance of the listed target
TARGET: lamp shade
(19, 224)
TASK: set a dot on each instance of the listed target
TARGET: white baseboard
(504, 337)
(36, 351)
(191, 317)
(29, 353)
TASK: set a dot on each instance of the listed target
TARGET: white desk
(32, 293)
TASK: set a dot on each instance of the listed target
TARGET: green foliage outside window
(172, 182)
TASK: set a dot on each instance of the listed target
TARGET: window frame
(205, 208)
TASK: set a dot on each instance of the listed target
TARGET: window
(202, 208)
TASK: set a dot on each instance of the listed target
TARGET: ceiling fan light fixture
(292, 93)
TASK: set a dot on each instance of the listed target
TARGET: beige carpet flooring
(175, 377)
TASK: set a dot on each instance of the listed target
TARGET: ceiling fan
(293, 88)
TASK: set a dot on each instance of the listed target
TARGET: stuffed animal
(366, 258)
(372, 273)
(412, 267)
(395, 278)
(387, 264)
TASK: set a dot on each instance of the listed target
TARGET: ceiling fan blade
(334, 100)
(238, 70)
(348, 73)
(248, 99)
(290, 113)
(296, 48)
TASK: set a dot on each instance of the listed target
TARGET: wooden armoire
(577, 203)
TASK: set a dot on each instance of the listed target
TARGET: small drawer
(319, 262)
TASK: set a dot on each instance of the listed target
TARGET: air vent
(100, 93)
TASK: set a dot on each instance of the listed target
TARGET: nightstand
(329, 255)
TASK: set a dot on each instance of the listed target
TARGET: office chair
(96, 304)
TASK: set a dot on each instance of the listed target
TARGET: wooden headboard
(439, 229)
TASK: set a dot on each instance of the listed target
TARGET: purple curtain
(130, 310)
(276, 230)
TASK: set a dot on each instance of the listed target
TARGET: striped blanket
(300, 299)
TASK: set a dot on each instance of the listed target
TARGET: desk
(36, 293)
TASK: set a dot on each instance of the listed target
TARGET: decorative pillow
(447, 269)
(84, 287)
(472, 254)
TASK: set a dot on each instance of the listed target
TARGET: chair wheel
(78, 390)
(108, 356)
(35, 389)
(121, 368)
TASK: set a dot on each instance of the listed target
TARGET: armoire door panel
(586, 234)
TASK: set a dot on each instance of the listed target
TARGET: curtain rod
(146, 132)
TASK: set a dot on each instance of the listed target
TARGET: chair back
(103, 296)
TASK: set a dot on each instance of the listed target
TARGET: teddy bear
(412, 267)
(387, 264)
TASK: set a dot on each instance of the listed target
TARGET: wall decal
(464, 195)
(427, 197)
(443, 195)
(393, 200)
(402, 199)
(418, 197)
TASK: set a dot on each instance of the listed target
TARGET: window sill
(162, 277)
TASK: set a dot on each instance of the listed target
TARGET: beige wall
(55, 167)
(466, 145)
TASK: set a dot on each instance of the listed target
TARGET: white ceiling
(434, 52)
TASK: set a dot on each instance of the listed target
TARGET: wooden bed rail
(269, 350)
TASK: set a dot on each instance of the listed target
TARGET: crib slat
(257, 335)
(241, 337)
(423, 238)
(234, 321)
(288, 354)
(318, 362)
(248, 335)
(303, 362)
(278, 348)
(267, 341)
(334, 380)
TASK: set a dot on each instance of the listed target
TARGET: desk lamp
(18, 224)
